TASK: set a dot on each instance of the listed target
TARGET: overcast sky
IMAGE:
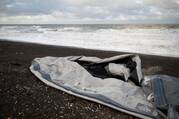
(89, 11)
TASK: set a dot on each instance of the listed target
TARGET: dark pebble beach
(23, 96)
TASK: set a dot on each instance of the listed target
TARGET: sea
(162, 40)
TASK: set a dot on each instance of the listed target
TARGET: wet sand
(22, 95)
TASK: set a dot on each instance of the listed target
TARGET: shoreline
(25, 96)
(75, 47)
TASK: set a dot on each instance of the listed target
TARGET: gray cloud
(89, 11)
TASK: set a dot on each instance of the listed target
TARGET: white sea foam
(156, 41)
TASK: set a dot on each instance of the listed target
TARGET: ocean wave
(154, 41)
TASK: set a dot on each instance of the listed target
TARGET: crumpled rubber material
(116, 82)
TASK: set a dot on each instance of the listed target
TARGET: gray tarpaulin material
(164, 91)
(116, 82)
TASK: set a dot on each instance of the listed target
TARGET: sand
(22, 95)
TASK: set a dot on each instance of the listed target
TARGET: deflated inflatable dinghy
(116, 82)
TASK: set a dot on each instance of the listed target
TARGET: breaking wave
(157, 41)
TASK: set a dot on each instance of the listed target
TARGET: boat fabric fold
(165, 94)
(115, 82)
